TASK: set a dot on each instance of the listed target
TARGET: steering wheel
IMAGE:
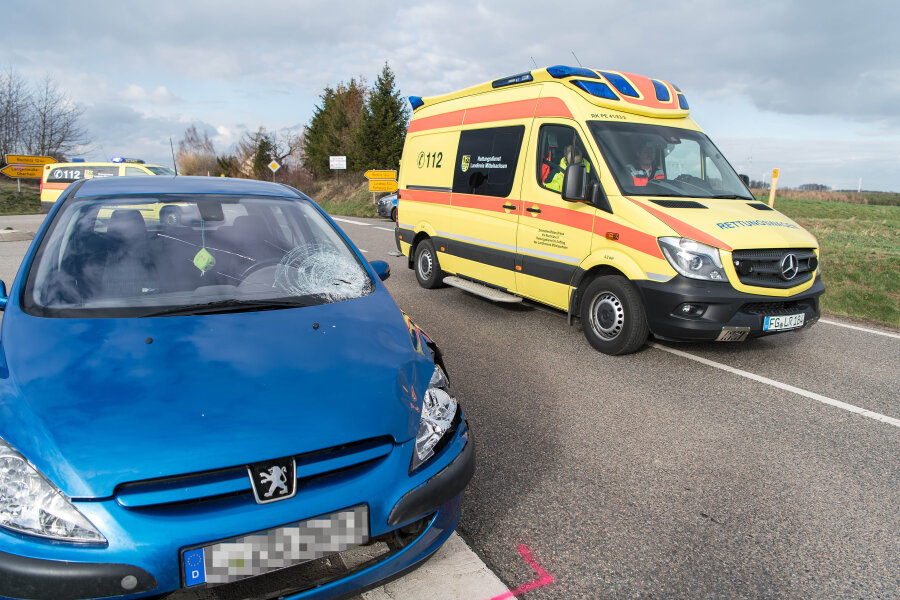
(258, 266)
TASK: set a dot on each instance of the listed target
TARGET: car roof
(163, 184)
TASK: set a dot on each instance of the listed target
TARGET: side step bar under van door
(481, 290)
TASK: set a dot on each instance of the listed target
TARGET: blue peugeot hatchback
(231, 406)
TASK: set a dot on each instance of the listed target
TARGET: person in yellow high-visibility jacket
(570, 156)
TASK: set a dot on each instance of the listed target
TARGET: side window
(558, 147)
(98, 172)
(486, 161)
(134, 171)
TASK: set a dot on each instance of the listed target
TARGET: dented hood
(94, 403)
(728, 224)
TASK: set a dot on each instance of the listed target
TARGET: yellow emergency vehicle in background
(58, 176)
(595, 192)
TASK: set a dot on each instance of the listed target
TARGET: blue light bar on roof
(117, 159)
(562, 71)
(662, 92)
(682, 102)
(77, 160)
(416, 102)
(596, 88)
(512, 80)
(621, 84)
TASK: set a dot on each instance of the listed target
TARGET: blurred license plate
(783, 322)
(259, 553)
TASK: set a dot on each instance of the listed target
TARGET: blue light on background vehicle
(562, 71)
(117, 159)
(512, 80)
(416, 102)
(662, 92)
(595, 88)
(621, 84)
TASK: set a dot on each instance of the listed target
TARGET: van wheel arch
(582, 284)
(412, 248)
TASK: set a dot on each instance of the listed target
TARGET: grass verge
(14, 203)
(860, 255)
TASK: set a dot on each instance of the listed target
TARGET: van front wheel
(612, 316)
(428, 269)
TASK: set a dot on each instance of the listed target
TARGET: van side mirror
(4, 297)
(574, 187)
(381, 268)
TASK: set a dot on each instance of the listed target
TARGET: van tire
(427, 267)
(612, 315)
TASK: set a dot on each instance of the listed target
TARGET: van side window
(134, 171)
(486, 161)
(558, 147)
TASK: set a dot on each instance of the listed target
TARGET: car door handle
(533, 210)
(509, 206)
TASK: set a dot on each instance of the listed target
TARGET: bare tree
(53, 128)
(196, 154)
(15, 104)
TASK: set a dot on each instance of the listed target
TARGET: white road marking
(384, 229)
(349, 221)
(875, 331)
(784, 386)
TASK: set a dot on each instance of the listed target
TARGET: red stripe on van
(519, 109)
(683, 229)
(640, 241)
(489, 203)
(54, 186)
(426, 196)
(449, 119)
(552, 107)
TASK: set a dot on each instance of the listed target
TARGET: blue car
(387, 207)
(231, 406)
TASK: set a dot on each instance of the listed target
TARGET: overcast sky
(810, 87)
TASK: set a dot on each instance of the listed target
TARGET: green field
(14, 203)
(860, 255)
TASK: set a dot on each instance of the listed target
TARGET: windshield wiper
(234, 306)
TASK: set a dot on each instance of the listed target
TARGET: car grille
(763, 268)
(234, 481)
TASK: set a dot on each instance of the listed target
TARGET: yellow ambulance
(595, 192)
(57, 177)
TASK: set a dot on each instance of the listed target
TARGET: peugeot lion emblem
(273, 480)
(789, 267)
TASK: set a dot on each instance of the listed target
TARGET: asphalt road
(657, 476)
(654, 475)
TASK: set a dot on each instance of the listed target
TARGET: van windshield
(121, 256)
(653, 160)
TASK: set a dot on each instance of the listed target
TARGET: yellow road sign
(21, 159)
(381, 174)
(383, 185)
(27, 171)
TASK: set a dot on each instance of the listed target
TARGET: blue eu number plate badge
(194, 567)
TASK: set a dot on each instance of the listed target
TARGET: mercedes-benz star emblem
(789, 267)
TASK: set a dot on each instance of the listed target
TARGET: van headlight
(438, 410)
(30, 504)
(693, 259)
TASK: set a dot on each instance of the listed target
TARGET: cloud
(159, 97)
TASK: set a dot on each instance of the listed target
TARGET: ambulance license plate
(782, 322)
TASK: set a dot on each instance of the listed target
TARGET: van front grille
(775, 268)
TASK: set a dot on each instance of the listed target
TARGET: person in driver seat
(644, 168)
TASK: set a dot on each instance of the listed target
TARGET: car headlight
(438, 410)
(31, 504)
(693, 259)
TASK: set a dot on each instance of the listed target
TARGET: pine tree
(382, 130)
(332, 130)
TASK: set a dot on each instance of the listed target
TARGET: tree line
(37, 118)
(367, 125)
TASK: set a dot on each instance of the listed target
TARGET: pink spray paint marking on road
(543, 579)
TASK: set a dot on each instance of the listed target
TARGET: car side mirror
(381, 268)
(4, 297)
(574, 187)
